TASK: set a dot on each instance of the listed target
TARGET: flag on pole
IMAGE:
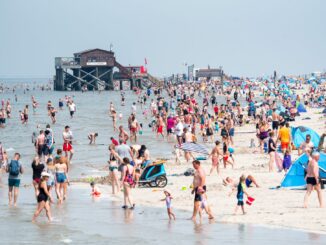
(145, 61)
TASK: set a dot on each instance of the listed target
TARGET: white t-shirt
(72, 107)
(179, 129)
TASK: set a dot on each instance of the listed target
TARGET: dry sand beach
(272, 207)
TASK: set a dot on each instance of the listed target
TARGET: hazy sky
(246, 37)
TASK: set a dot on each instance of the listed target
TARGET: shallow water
(85, 221)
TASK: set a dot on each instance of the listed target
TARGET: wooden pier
(94, 69)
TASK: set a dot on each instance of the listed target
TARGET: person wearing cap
(44, 198)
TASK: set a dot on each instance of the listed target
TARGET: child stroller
(154, 175)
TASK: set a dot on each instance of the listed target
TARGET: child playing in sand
(167, 200)
(287, 160)
(95, 190)
(203, 204)
(241, 190)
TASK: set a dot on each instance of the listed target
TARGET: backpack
(14, 168)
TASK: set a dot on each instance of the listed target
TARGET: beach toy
(231, 150)
(184, 188)
(201, 158)
(250, 200)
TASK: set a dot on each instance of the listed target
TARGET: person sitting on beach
(287, 160)
(92, 137)
(228, 181)
(306, 146)
(95, 190)
(168, 200)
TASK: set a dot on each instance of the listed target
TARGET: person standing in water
(127, 181)
(15, 169)
(67, 143)
(43, 198)
(25, 113)
(198, 182)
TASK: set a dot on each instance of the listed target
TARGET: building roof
(91, 50)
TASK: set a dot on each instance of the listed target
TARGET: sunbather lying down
(228, 181)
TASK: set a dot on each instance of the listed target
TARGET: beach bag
(14, 168)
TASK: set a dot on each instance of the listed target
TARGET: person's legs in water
(64, 190)
(39, 209)
(48, 210)
(196, 208)
(116, 180)
(10, 194)
(16, 191)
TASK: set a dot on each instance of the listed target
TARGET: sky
(245, 37)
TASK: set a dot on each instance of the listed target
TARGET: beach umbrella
(193, 147)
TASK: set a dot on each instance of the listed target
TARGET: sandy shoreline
(272, 208)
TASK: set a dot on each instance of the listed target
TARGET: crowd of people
(186, 113)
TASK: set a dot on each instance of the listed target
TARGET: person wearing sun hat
(44, 198)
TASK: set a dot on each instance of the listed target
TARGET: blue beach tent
(299, 136)
(294, 179)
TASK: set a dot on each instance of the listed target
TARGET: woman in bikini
(215, 154)
(127, 181)
(113, 168)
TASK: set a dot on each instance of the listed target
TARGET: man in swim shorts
(67, 143)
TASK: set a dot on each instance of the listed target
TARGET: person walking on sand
(15, 169)
(312, 179)
(241, 191)
(215, 154)
(271, 151)
(284, 135)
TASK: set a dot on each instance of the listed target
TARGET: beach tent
(294, 179)
(299, 136)
(301, 108)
